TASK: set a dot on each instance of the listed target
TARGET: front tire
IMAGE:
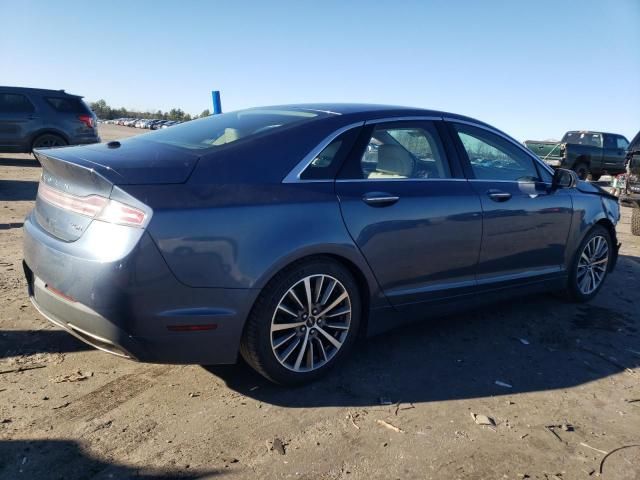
(590, 265)
(304, 322)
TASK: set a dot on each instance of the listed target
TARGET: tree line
(105, 112)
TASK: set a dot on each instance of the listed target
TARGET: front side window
(622, 143)
(15, 103)
(494, 158)
(403, 151)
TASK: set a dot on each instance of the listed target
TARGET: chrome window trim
(347, 180)
(416, 118)
(503, 181)
(535, 158)
(294, 175)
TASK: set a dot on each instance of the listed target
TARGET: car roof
(372, 111)
(37, 90)
(597, 132)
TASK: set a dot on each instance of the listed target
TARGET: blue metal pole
(217, 105)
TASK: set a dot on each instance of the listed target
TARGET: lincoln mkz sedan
(283, 233)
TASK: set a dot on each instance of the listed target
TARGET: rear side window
(402, 150)
(326, 164)
(494, 158)
(219, 130)
(67, 104)
(15, 103)
(609, 141)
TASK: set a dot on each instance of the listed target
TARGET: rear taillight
(94, 206)
(116, 212)
(87, 120)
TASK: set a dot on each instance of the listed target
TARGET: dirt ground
(560, 381)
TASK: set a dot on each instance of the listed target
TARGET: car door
(17, 120)
(613, 153)
(525, 222)
(414, 217)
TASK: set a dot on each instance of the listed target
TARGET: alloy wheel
(592, 265)
(49, 142)
(310, 323)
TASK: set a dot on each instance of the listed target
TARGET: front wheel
(590, 265)
(304, 322)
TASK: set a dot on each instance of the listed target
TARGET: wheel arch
(581, 159)
(370, 293)
(608, 224)
(47, 131)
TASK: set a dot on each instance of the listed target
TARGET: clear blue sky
(533, 69)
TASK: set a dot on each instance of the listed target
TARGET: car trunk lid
(77, 183)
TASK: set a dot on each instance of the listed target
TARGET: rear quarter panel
(241, 235)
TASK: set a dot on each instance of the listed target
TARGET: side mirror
(563, 178)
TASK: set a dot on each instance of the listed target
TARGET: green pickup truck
(589, 154)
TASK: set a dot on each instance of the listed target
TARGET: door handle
(379, 199)
(498, 195)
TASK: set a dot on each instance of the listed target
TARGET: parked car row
(148, 123)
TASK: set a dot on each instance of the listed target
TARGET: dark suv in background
(33, 117)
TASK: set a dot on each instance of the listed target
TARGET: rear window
(583, 138)
(67, 104)
(218, 130)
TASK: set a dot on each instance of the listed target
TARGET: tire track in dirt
(108, 397)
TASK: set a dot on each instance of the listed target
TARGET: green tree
(176, 114)
(205, 113)
(101, 109)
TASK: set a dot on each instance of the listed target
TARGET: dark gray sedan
(285, 232)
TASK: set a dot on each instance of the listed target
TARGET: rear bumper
(85, 139)
(133, 306)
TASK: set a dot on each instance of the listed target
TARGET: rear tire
(303, 353)
(590, 265)
(635, 221)
(48, 140)
(582, 170)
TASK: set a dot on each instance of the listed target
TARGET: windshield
(217, 130)
(583, 138)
